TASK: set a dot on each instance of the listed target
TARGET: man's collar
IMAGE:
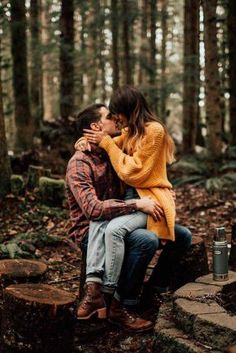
(96, 150)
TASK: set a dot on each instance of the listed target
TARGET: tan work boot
(118, 315)
(92, 303)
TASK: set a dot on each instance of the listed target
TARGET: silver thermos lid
(220, 234)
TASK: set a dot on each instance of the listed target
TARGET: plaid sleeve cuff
(132, 204)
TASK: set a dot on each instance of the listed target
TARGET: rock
(217, 330)
(52, 191)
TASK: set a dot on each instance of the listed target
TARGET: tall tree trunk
(191, 74)
(213, 110)
(36, 65)
(163, 88)
(67, 58)
(4, 160)
(102, 49)
(153, 51)
(115, 51)
(143, 50)
(92, 49)
(24, 123)
(232, 68)
(126, 42)
(46, 61)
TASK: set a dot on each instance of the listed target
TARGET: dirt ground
(40, 231)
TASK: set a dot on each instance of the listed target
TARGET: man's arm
(80, 182)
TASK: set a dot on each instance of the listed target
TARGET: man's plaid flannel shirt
(93, 190)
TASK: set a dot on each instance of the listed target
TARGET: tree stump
(34, 173)
(232, 257)
(193, 265)
(52, 191)
(20, 270)
(36, 318)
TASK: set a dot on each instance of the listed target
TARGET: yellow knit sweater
(146, 171)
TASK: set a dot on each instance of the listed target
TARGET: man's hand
(93, 136)
(151, 207)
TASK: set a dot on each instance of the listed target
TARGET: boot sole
(130, 330)
(101, 314)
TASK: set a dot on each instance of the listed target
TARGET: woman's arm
(137, 168)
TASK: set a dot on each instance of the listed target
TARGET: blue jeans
(171, 254)
(140, 247)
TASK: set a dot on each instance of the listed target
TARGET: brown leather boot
(92, 303)
(118, 315)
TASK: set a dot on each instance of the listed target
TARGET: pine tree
(191, 74)
(67, 58)
(4, 159)
(232, 68)
(36, 61)
(212, 81)
(24, 124)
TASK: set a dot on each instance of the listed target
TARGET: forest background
(57, 57)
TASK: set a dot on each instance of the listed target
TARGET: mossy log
(52, 191)
(17, 184)
(36, 318)
(194, 264)
(34, 173)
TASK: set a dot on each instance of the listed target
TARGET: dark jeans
(171, 254)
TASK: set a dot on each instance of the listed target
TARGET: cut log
(232, 257)
(193, 265)
(34, 173)
(52, 191)
(36, 318)
(20, 270)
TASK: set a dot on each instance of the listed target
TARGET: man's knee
(183, 235)
(144, 239)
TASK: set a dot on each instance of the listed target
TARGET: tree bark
(115, 51)
(143, 50)
(232, 68)
(153, 51)
(37, 317)
(126, 42)
(67, 58)
(48, 103)
(163, 88)
(36, 64)
(212, 81)
(5, 172)
(24, 124)
(191, 74)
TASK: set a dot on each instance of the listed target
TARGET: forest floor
(39, 230)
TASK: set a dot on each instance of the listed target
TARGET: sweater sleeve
(136, 169)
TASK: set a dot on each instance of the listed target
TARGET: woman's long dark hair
(130, 102)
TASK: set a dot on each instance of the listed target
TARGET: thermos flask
(220, 256)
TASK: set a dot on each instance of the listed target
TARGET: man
(94, 194)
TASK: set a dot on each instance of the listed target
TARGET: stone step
(169, 339)
(196, 312)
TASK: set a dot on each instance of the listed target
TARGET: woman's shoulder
(154, 127)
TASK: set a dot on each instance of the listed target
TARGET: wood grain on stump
(36, 318)
(193, 265)
(20, 268)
